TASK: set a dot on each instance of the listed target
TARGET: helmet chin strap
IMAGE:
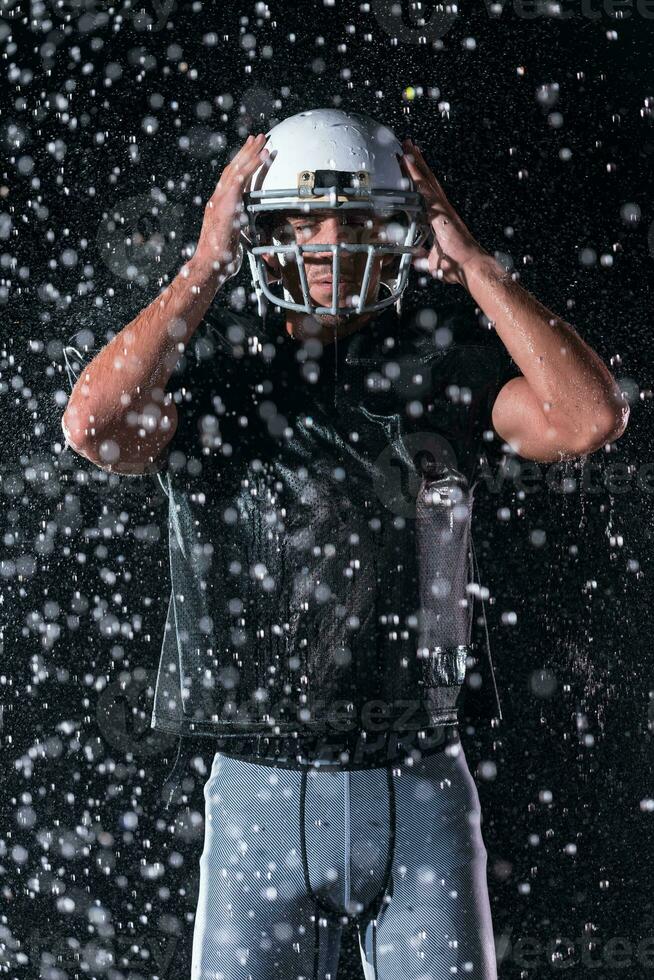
(262, 301)
(398, 302)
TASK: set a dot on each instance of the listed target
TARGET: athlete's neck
(326, 329)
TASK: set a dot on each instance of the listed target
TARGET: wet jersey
(319, 508)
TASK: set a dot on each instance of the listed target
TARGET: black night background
(116, 121)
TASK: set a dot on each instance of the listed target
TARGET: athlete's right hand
(219, 237)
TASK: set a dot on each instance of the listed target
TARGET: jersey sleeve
(205, 386)
(212, 388)
(466, 377)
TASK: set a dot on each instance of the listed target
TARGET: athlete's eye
(284, 232)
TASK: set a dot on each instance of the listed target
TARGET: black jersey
(320, 500)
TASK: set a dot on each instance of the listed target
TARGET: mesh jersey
(320, 503)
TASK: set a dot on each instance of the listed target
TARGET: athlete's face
(331, 228)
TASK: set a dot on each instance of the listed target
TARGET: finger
(403, 166)
(420, 157)
(421, 252)
(252, 164)
(256, 142)
(422, 164)
(417, 175)
(415, 149)
(262, 155)
(248, 151)
(261, 158)
(414, 152)
(242, 151)
(409, 156)
(244, 173)
(426, 183)
(243, 165)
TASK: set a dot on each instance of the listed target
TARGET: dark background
(540, 127)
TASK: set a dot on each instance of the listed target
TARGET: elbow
(76, 435)
(618, 426)
(605, 427)
(615, 417)
(120, 451)
(80, 432)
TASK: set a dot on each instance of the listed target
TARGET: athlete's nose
(332, 231)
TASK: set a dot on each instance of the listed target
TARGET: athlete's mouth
(329, 281)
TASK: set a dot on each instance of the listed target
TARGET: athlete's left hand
(454, 245)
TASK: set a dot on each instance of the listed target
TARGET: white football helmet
(330, 159)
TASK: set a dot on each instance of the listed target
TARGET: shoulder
(451, 338)
(466, 366)
(224, 332)
(214, 387)
(220, 359)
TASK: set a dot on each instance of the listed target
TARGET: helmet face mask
(372, 187)
(358, 226)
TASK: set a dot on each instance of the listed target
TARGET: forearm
(120, 395)
(571, 384)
